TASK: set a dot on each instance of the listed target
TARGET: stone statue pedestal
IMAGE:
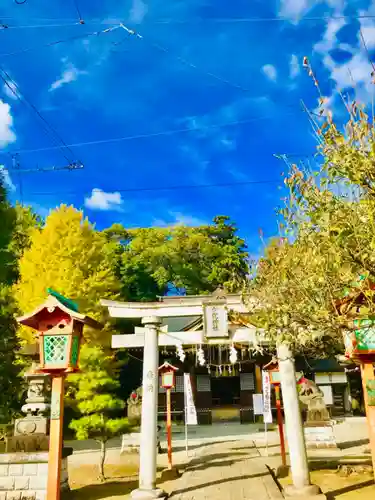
(24, 465)
(319, 435)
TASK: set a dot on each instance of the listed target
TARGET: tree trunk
(103, 452)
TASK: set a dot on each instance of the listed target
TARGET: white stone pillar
(294, 426)
(150, 390)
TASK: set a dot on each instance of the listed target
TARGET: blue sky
(201, 92)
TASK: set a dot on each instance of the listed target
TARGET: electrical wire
(167, 188)
(12, 85)
(183, 60)
(57, 42)
(148, 135)
(81, 21)
(273, 19)
(186, 62)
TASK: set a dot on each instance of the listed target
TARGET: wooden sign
(215, 318)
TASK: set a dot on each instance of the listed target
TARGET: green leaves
(193, 259)
(94, 389)
(331, 215)
(69, 255)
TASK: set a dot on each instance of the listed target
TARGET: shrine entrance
(214, 327)
(225, 399)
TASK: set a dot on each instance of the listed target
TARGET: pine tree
(96, 400)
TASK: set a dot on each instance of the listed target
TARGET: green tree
(8, 220)
(96, 400)
(25, 221)
(10, 381)
(179, 259)
(69, 255)
(328, 240)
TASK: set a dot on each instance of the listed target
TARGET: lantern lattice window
(55, 348)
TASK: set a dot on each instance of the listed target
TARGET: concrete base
(311, 491)
(140, 494)
(319, 435)
(282, 471)
(170, 474)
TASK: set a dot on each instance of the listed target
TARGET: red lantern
(168, 377)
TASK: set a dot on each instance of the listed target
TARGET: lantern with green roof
(60, 329)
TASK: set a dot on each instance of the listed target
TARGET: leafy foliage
(326, 254)
(68, 255)
(8, 219)
(96, 399)
(10, 381)
(180, 259)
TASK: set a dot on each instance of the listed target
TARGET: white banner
(258, 404)
(267, 413)
(190, 410)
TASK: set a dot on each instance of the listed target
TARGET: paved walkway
(231, 470)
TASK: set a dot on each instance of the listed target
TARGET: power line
(66, 22)
(189, 63)
(57, 42)
(81, 21)
(281, 19)
(12, 85)
(146, 136)
(183, 60)
(168, 188)
(72, 166)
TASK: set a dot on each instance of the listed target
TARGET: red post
(169, 429)
(280, 424)
(367, 372)
(56, 438)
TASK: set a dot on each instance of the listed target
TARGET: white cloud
(356, 72)
(100, 200)
(179, 219)
(367, 27)
(294, 9)
(294, 67)
(70, 74)
(138, 11)
(270, 71)
(7, 135)
(4, 173)
(329, 40)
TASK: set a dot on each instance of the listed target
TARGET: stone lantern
(60, 328)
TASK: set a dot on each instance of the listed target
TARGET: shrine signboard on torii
(216, 330)
(214, 310)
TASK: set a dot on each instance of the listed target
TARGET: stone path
(231, 471)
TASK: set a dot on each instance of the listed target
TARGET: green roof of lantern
(70, 304)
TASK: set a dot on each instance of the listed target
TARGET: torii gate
(214, 309)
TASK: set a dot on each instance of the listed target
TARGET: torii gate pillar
(150, 389)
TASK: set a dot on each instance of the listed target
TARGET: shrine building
(206, 337)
